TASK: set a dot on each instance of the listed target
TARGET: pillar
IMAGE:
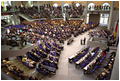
(62, 6)
(14, 12)
(111, 13)
(86, 8)
(115, 71)
(12, 5)
(38, 7)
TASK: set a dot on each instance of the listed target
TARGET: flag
(115, 32)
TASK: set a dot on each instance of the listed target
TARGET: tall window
(106, 4)
(30, 3)
(104, 18)
(87, 21)
(6, 3)
(66, 4)
(77, 4)
(91, 5)
(55, 5)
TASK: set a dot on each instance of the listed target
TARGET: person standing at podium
(84, 40)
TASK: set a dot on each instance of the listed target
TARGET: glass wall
(104, 18)
(106, 6)
(87, 18)
(91, 5)
(6, 5)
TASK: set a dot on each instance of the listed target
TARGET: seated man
(24, 59)
(43, 53)
(31, 78)
(47, 61)
(32, 64)
(104, 74)
(34, 55)
(97, 61)
(89, 69)
(99, 77)
(18, 71)
(107, 49)
(55, 65)
(39, 65)
(113, 54)
(111, 42)
(42, 69)
(50, 58)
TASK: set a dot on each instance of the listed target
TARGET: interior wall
(115, 71)
(58, 2)
(25, 3)
(17, 3)
(94, 17)
(41, 3)
(35, 3)
(84, 2)
(116, 4)
(69, 2)
(115, 17)
(100, 2)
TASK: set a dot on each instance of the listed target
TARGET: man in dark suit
(23, 39)
(84, 40)
(81, 41)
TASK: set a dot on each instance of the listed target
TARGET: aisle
(67, 71)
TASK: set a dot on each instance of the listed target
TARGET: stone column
(115, 71)
(86, 8)
(12, 2)
(62, 7)
(111, 13)
(38, 7)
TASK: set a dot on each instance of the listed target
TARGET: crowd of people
(12, 70)
(56, 30)
(46, 11)
(78, 55)
(104, 34)
(108, 68)
(47, 38)
(90, 61)
(54, 12)
(96, 63)
(86, 57)
(26, 61)
(32, 12)
(75, 11)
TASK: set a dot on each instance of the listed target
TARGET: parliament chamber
(59, 40)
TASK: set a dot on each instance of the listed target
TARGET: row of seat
(18, 75)
(99, 64)
(14, 72)
(89, 59)
(79, 54)
(17, 26)
(26, 64)
(95, 63)
(107, 68)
